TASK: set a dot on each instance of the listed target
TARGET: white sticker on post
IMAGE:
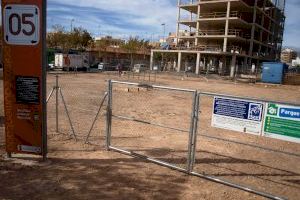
(29, 149)
(21, 24)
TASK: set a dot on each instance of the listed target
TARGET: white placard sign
(21, 24)
(238, 115)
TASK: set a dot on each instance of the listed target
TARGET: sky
(124, 18)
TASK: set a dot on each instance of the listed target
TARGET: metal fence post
(56, 102)
(195, 133)
(109, 116)
(96, 118)
(68, 115)
(191, 134)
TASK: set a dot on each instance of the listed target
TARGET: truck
(71, 62)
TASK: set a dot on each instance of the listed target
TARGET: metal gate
(138, 126)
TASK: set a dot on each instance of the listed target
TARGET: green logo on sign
(272, 109)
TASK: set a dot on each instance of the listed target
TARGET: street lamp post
(164, 36)
(72, 20)
(99, 29)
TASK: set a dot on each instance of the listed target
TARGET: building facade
(296, 62)
(288, 55)
(229, 36)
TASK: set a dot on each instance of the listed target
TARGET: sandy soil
(80, 171)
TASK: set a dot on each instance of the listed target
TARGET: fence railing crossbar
(149, 123)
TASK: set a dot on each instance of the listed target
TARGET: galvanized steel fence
(75, 106)
(172, 127)
(244, 160)
(147, 76)
(167, 126)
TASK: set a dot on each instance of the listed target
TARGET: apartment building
(288, 55)
(228, 36)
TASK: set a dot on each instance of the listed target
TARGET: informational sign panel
(24, 75)
(282, 122)
(238, 115)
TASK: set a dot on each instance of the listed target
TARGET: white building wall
(296, 62)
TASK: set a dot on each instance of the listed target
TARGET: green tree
(133, 45)
(78, 39)
(58, 38)
(86, 39)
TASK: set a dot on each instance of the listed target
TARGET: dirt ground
(76, 170)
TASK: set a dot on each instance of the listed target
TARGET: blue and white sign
(289, 113)
(238, 115)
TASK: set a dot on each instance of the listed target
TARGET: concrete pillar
(222, 65)
(198, 63)
(253, 29)
(257, 65)
(261, 31)
(226, 27)
(232, 66)
(186, 65)
(174, 65)
(179, 61)
(253, 68)
(197, 26)
(151, 60)
(178, 22)
(245, 63)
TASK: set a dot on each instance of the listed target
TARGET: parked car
(155, 68)
(138, 68)
(94, 66)
(51, 67)
(106, 67)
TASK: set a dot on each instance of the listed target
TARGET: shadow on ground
(86, 179)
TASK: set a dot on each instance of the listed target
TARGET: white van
(138, 68)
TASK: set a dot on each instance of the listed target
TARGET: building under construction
(226, 36)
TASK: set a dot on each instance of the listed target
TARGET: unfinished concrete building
(227, 36)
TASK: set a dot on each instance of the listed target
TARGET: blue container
(273, 72)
